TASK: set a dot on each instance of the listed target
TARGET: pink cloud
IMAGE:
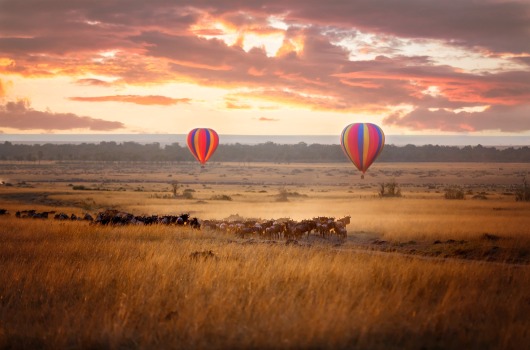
(18, 115)
(265, 119)
(236, 105)
(94, 82)
(141, 100)
(159, 41)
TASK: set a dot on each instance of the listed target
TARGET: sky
(413, 67)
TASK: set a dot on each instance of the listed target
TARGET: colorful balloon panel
(362, 143)
(202, 143)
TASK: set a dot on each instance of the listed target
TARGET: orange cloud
(317, 66)
(141, 100)
(311, 102)
(233, 105)
(94, 82)
(18, 115)
(265, 119)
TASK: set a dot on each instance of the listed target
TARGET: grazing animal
(345, 220)
(61, 216)
(195, 224)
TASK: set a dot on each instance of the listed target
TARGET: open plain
(415, 271)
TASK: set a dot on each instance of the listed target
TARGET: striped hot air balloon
(202, 143)
(362, 143)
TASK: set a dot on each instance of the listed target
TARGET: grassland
(418, 271)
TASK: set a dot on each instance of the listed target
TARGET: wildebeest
(115, 217)
(61, 216)
(32, 213)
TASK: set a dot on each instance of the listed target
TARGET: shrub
(390, 189)
(454, 192)
(221, 197)
(282, 196)
(187, 194)
(522, 194)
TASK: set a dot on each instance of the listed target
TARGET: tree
(522, 194)
(174, 188)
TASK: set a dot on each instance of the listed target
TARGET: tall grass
(70, 285)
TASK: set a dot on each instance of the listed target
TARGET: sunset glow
(265, 67)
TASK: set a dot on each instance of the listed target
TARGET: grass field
(418, 271)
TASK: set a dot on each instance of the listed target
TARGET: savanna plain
(415, 271)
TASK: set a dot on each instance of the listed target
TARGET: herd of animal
(267, 229)
(284, 228)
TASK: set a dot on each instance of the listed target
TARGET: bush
(522, 194)
(221, 197)
(187, 194)
(454, 192)
(390, 189)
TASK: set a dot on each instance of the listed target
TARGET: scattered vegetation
(389, 189)
(174, 188)
(283, 195)
(221, 197)
(522, 194)
(188, 193)
(480, 195)
(454, 192)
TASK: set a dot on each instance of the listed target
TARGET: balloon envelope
(202, 143)
(362, 143)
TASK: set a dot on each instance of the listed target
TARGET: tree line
(264, 152)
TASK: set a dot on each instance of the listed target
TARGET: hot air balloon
(362, 143)
(202, 143)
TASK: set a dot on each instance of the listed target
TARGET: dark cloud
(496, 118)
(500, 26)
(141, 100)
(523, 60)
(18, 115)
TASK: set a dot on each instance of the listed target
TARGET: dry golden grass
(70, 285)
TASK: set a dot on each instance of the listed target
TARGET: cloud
(496, 118)
(356, 56)
(18, 115)
(141, 100)
(2, 89)
(235, 105)
(265, 119)
(500, 26)
(94, 82)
